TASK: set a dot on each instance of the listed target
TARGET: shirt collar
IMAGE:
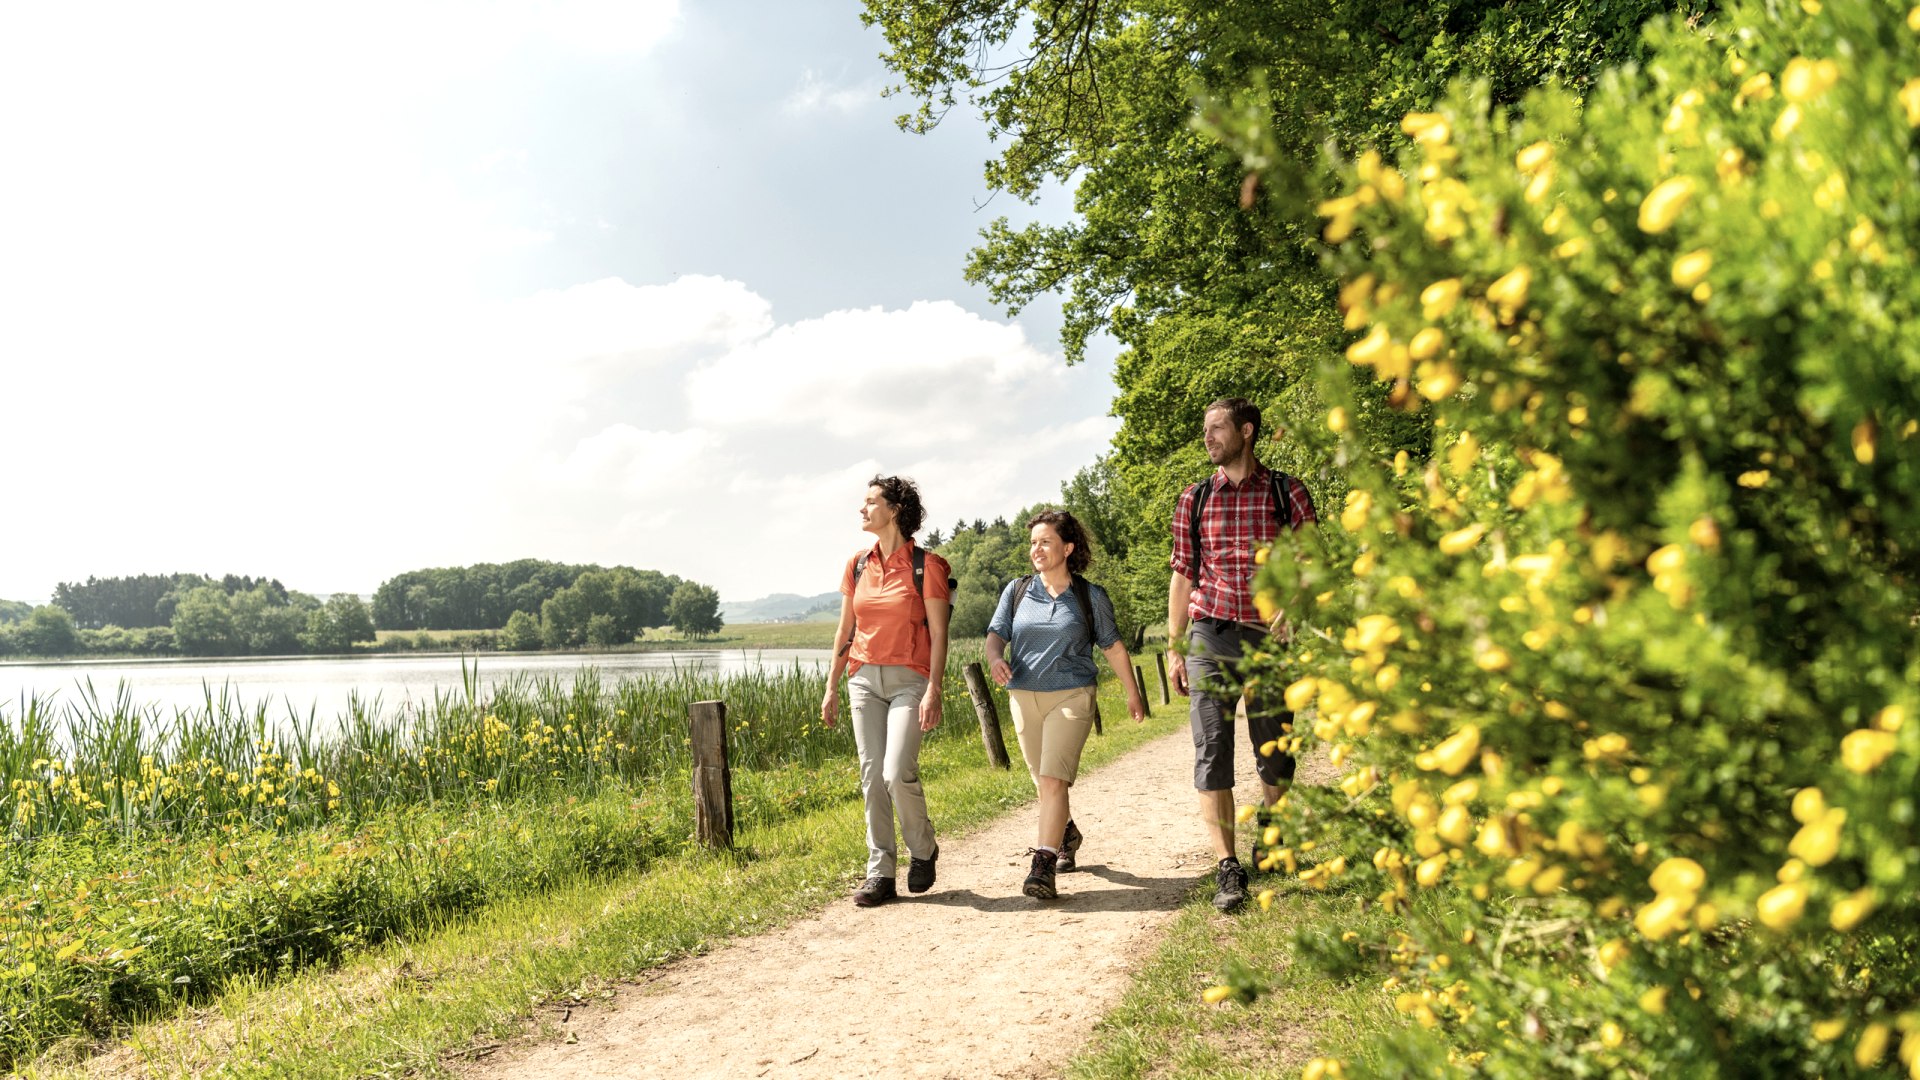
(905, 551)
(1220, 481)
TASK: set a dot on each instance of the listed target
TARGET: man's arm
(1179, 595)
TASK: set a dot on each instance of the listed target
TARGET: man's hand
(1001, 670)
(1178, 662)
(830, 705)
(1137, 706)
(930, 709)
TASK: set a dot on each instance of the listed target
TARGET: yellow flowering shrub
(1627, 669)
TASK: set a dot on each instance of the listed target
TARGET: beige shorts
(1053, 726)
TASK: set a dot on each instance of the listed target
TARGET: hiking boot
(874, 892)
(920, 872)
(1070, 844)
(1230, 885)
(1039, 883)
(1263, 851)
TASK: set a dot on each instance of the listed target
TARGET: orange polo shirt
(889, 620)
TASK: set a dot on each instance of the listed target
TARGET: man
(1213, 585)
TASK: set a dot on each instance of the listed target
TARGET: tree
(337, 625)
(1624, 678)
(203, 623)
(601, 633)
(695, 610)
(1204, 264)
(13, 611)
(266, 622)
(522, 633)
(48, 631)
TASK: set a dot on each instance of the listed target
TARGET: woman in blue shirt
(1050, 677)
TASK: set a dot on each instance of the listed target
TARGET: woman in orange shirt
(893, 635)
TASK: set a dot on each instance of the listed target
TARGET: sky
(331, 293)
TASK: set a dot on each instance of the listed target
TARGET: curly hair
(904, 496)
(1067, 527)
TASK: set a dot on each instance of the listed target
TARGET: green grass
(461, 974)
(1163, 1029)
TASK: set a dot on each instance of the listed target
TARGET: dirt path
(972, 979)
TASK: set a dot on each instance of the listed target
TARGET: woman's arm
(830, 704)
(936, 663)
(1122, 665)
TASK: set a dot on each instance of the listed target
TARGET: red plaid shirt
(1236, 519)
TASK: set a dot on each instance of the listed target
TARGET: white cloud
(819, 95)
(934, 373)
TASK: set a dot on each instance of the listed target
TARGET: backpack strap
(1019, 594)
(1083, 592)
(1278, 484)
(1202, 491)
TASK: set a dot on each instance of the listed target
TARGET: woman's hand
(1137, 705)
(1001, 670)
(830, 705)
(930, 708)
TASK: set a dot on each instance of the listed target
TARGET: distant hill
(780, 607)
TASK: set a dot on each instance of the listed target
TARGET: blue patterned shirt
(1047, 638)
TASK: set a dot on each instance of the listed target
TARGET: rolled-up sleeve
(1181, 561)
(1002, 621)
(1106, 628)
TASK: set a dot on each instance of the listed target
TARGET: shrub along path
(970, 979)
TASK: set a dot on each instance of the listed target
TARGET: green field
(800, 635)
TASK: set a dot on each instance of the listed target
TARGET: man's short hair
(1241, 412)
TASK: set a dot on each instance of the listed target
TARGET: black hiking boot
(874, 892)
(1070, 844)
(1230, 885)
(920, 872)
(1039, 883)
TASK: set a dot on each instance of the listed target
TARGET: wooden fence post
(1140, 682)
(712, 780)
(1160, 662)
(989, 716)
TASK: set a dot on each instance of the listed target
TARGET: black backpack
(1277, 482)
(1081, 592)
(919, 585)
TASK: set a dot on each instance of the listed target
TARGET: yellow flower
(1805, 80)
(1492, 658)
(1611, 1036)
(1667, 560)
(1871, 1046)
(1533, 157)
(1864, 434)
(1862, 751)
(1455, 826)
(1663, 204)
(1438, 298)
(1654, 1000)
(1690, 269)
(1786, 122)
(1430, 871)
(1510, 290)
(1782, 905)
(1336, 419)
(1755, 478)
(1828, 1030)
(1437, 381)
(1452, 754)
(1429, 129)
(1850, 910)
(1371, 349)
(1910, 100)
(1267, 605)
(1359, 505)
(1756, 88)
(1461, 541)
(1818, 841)
(1808, 805)
(1301, 693)
(1426, 344)
(1678, 875)
(1891, 718)
(1663, 916)
(1214, 995)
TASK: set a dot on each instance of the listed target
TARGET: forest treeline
(522, 605)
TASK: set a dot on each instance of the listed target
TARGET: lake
(323, 684)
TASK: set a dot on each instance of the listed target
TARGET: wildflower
(1663, 204)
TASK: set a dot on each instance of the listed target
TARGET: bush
(1624, 678)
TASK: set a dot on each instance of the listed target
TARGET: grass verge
(1162, 1028)
(463, 983)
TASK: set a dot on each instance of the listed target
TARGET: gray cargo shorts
(1213, 647)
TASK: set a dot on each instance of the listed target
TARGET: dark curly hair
(904, 496)
(1068, 528)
